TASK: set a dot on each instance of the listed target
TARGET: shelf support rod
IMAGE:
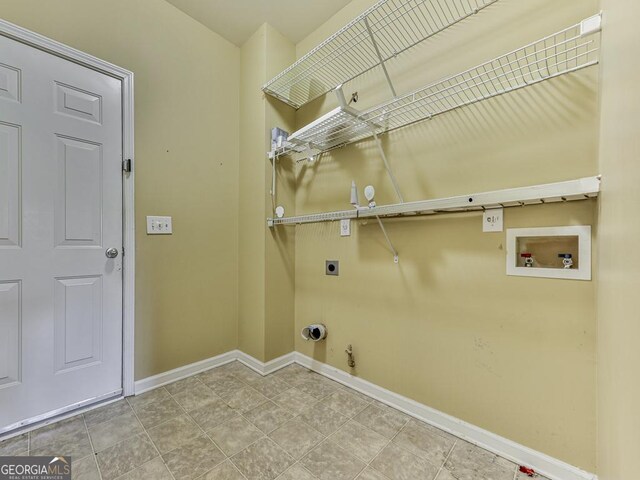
(388, 167)
(382, 64)
(386, 236)
(273, 183)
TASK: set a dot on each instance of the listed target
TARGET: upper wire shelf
(379, 34)
(566, 51)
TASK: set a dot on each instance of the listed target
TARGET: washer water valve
(567, 260)
(528, 259)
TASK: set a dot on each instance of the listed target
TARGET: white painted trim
(179, 373)
(542, 463)
(126, 77)
(583, 232)
(268, 367)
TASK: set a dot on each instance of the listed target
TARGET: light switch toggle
(159, 226)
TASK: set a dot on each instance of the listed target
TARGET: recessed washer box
(550, 252)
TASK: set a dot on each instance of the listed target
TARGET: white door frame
(128, 231)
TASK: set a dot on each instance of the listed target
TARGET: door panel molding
(126, 78)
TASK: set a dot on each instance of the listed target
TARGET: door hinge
(123, 251)
(126, 165)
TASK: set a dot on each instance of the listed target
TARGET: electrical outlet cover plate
(492, 220)
(332, 267)
(345, 227)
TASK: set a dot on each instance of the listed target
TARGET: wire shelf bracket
(572, 190)
(384, 31)
(564, 52)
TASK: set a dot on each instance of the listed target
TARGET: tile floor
(230, 423)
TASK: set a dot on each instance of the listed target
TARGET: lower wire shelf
(572, 190)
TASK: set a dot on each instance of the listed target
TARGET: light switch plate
(493, 220)
(159, 226)
(345, 227)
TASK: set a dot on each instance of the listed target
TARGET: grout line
(442, 467)
(151, 440)
(93, 450)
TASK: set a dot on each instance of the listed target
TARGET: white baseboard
(176, 374)
(519, 454)
(268, 367)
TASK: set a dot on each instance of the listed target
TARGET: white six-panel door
(60, 210)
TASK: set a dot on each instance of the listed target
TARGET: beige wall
(187, 115)
(266, 264)
(446, 326)
(619, 265)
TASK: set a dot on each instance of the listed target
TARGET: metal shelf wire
(382, 32)
(566, 51)
(572, 190)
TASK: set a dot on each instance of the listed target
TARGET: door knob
(111, 252)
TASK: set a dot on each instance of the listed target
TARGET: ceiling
(236, 20)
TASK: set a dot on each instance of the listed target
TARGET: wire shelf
(566, 51)
(379, 34)
(572, 190)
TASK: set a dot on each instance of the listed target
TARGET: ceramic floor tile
(64, 428)
(235, 435)
(270, 386)
(209, 377)
(297, 472)
(294, 401)
(155, 413)
(105, 434)
(245, 399)
(268, 416)
(125, 456)
(75, 445)
(330, 462)
(180, 385)
(14, 446)
(106, 413)
(323, 418)
(296, 438)
(398, 464)
(357, 439)
(213, 414)
(174, 433)
(263, 460)
(85, 469)
(294, 374)
(224, 471)
(193, 459)
(468, 462)
(146, 398)
(227, 386)
(153, 470)
(193, 397)
(446, 475)
(382, 419)
(317, 388)
(345, 403)
(424, 442)
(245, 374)
(370, 474)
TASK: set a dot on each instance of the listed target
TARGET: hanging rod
(573, 190)
(376, 36)
(569, 50)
